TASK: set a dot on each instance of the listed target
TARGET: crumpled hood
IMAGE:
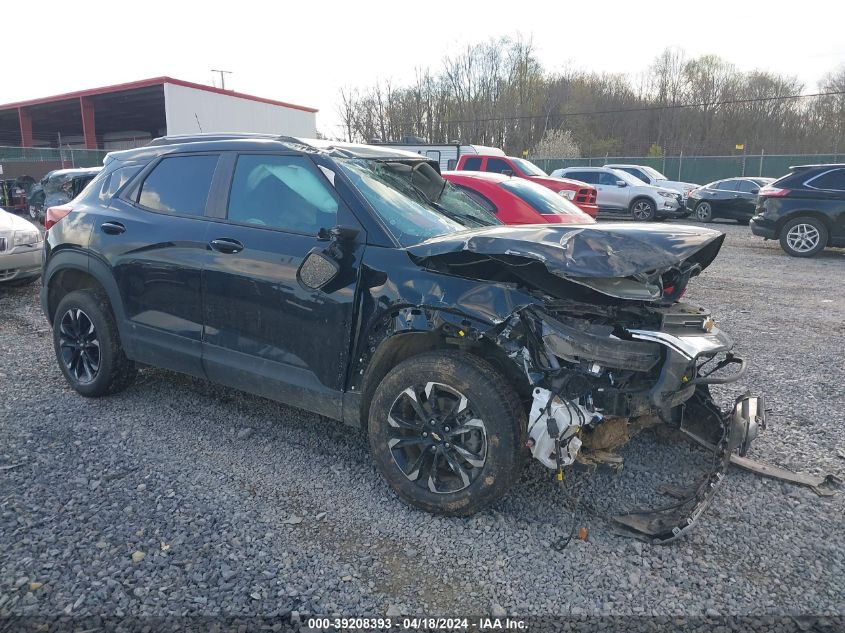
(586, 251)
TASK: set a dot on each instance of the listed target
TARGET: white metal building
(128, 115)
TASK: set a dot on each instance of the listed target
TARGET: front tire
(803, 237)
(704, 212)
(87, 345)
(642, 210)
(446, 432)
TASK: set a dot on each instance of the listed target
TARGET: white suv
(651, 176)
(620, 192)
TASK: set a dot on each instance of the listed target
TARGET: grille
(587, 196)
(7, 274)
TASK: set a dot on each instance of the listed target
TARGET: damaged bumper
(597, 371)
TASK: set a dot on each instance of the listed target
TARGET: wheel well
(643, 197)
(65, 281)
(401, 347)
(821, 217)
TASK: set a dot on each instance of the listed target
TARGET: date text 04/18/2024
(418, 623)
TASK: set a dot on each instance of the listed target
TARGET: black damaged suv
(354, 282)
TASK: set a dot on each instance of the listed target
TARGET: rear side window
(832, 180)
(115, 180)
(499, 166)
(179, 184)
(726, 185)
(541, 199)
(281, 192)
(747, 186)
(590, 177)
(472, 164)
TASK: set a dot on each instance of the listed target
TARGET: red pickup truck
(580, 193)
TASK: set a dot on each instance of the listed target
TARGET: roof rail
(202, 138)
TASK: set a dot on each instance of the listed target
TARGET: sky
(304, 52)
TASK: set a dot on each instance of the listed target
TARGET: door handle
(226, 245)
(113, 228)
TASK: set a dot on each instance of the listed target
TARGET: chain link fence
(67, 156)
(701, 169)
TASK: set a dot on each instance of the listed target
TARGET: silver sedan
(20, 250)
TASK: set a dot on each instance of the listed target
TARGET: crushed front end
(599, 373)
(608, 347)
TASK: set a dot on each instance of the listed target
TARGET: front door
(153, 238)
(609, 194)
(265, 332)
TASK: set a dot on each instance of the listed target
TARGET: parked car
(621, 193)
(12, 195)
(580, 193)
(517, 200)
(58, 187)
(804, 209)
(20, 250)
(651, 176)
(732, 198)
(353, 281)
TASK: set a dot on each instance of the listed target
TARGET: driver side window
(281, 192)
(606, 178)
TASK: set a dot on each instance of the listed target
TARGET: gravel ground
(180, 497)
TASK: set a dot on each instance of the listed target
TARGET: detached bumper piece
(739, 428)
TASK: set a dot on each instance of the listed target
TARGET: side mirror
(507, 172)
(317, 269)
(621, 183)
(755, 191)
(338, 234)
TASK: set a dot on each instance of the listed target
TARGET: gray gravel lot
(181, 497)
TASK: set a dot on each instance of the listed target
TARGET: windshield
(527, 167)
(656, 175)
(542, 199)
(409, 213)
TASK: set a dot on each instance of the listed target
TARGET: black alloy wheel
(79, 346)
(437, 440)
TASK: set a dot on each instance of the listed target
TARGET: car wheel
(803, 237)
(642, 210)
(446, 431)
(87, 345)
(704, 212)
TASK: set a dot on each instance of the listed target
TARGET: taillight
(774, 192)
(55, 214)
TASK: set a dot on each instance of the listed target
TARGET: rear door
(264, 331)
(153, 238)
(745, 199)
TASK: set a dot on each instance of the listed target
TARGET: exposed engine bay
(589, 375)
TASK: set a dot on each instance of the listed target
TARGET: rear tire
(446, 431)
(87, 345)
(803, 237)
(642, 210)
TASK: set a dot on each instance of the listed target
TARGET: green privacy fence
(702, 169)
(69, 157)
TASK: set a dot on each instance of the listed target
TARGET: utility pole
(223, 74)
